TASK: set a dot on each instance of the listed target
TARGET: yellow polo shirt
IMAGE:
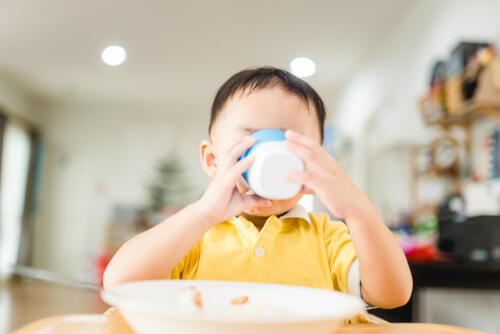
(299, 248)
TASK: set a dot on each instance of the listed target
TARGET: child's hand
(222, 200)
(387, 284)
(324, 177)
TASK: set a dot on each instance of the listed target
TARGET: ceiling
(180, 52)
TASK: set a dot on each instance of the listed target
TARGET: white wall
(95, 158)
(387, 87)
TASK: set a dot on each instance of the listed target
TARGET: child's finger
(300, 138)
(306, 178)
(237, 150)
(240, 167)
(303, 152)
(312, 160)
(308, 191)
(241, 188)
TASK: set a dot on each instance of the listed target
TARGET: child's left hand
(387, 284)
(324, 177)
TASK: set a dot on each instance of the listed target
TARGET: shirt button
(259, 251)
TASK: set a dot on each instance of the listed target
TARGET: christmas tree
(169, 187)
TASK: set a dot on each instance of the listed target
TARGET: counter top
(25, 300)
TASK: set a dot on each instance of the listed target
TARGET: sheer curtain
(14, 172)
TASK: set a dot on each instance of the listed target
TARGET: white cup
(266, 176)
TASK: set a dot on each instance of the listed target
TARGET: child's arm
(154, 253)
(385, 276)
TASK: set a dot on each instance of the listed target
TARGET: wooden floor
(25, 300)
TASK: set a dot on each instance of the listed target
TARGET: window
(15, 160)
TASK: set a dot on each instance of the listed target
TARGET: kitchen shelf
(471, 110)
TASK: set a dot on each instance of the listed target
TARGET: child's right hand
(222, 200)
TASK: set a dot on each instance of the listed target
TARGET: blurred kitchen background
(98, 144)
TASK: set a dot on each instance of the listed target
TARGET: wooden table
(112, 323)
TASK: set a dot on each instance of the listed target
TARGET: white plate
(152, 307)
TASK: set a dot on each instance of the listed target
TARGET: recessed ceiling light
(113, 55)
(302, 67)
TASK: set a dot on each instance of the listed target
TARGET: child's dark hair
(254, 79)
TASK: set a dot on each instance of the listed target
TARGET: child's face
(271, 107)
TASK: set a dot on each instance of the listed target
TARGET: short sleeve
(186, 268)
(341, 253)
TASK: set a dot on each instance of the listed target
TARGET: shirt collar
(298, 211)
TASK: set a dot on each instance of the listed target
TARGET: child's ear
(207, 156)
